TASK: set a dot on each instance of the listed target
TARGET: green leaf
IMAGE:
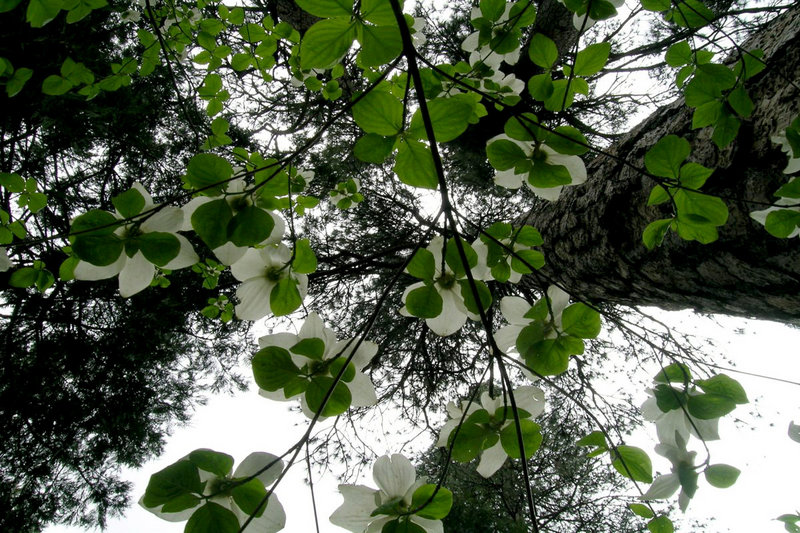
(568, 140)
(422, 265)
(678, 54)
(504, 154)
(208, 172)
(336, 367)
(8, 5)
(158, 247)
(250, 226)
(94, 222)
(327, 8)
(694, 175)
(710, 406)
(691, 14)
(782, 223)
(438, 506)
(453, 259)
(591, 59)
(543, 356)
(528, 236)
(661, 524)
(285, 297)
(523, 260)
(633, 463)
(750, 64)
(250, 497)
(541, 86)
(424, 302)
(414, 165)
(581, 321)
(721, 476)
(522, 14)
(373, 148)
(788, 190)
(700, 209)
(379, 112)
(24, 277)
(523, 128)
(18, 81)
(378, 12)
(449, 117)
(326, 42)
(13, 182)
(492, 9)
(706, 114)
(544, 175)
(305, 261)
(668, 399)
(273, 368)
(129, 203)
(470, 441)
(740, 102)
(655, 232)
(484, 294)
(338, 402)
(313, 348)
(664, 159)
(56, 85)
(217, 463)
(212, 518)
(658, 196)
(531, 438)
(379, 44)
(723, 385)
(172, 482)
(40, 12)
(674, 373)
(402, 525)
(641, 510)
(99, 250)
(725, 129)
(211, 220)
(543, 51)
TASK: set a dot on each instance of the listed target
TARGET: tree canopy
(431, 208)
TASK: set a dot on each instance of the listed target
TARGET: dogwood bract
(400, 497)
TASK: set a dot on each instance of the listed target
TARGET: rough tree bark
(593, 234)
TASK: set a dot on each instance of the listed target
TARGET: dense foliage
(354, 164)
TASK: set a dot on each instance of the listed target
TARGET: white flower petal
(255, 462)
(663, 487)
(452, 317)
(186, 256)
(167, 219)
(253, 296)
(471, 43)
(283, 340)
(574, 165)
(395, 475)
(190, 208)
(251, 265)
(506, 338)
(491, 460)
(430, 526)
(362, 391)
(272, 520)
(229, 253)
(89, 272)
(530, 399)
(550, 194)
(136, 275)
(354, 513)
(5, 262)
(447, 429)
(514, 309)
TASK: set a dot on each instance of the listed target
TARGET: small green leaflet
(531, 438)
(581, 321)
(373, 148)
(273, 368)
(208, 172)
(449, 118)
(327, 8)
(326, 42)
(721, 476)
(217, 463)
(422, 265)
(379, 112)
(172, 482)
(424, 302)
(664, 159)
(305, 261)
(285, 297)
(591, 59)
(249, 497)
(660, 524)
(337, 403)
(379, 44)
(542, 51)
(129, 203)
(641, 510)
(212, 518)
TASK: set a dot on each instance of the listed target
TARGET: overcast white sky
(769, 460)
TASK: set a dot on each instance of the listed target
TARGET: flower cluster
(400, 498)
(309, 363)
(493, 421)
(200, 487)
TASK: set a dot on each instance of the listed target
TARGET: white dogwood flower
(397, 480)
(135, 270)
(665, 486)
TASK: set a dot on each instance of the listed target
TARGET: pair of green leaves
(328, 40)
(274, 370)
(721, 393)
(428, 501)
(545, 348)
(511, 249)
(559, 94)
(697, 214)
(481, 430)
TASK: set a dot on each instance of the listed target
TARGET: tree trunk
(593, 234)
